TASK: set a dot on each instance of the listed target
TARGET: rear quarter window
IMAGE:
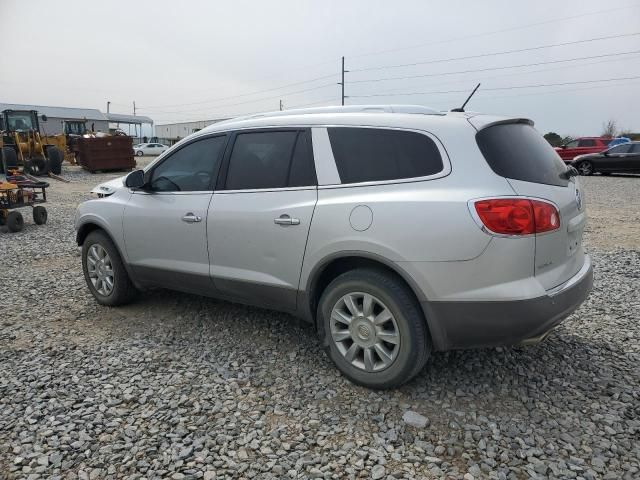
(519, 152)
(378, 154)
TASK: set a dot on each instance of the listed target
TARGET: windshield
(20, 121)
(75, 128)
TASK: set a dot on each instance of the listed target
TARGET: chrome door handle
(191, 218)
(286, 220)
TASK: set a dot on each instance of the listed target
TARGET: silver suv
(394, 231)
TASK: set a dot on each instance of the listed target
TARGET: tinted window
(192, 168)
(624, 148)
(587, 143)
(374, 154)
(635, 148)
(260, 160)
(518, 151)
(303, 171)
(572, 144)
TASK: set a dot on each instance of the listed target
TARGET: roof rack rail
(414, 109)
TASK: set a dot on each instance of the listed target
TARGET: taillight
(517, 216)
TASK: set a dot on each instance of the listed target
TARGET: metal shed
(56, 115)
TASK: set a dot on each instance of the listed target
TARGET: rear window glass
(518, 151)
(375, 154)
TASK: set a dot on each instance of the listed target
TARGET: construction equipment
(21, 144)
(17, 192)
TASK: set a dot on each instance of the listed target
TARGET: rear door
(260, 216)
(633, 160)
(519, 153)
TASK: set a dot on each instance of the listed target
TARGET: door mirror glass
(135, 179)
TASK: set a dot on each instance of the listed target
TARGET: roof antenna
(461, 109)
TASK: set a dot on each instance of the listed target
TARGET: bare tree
(609, 129)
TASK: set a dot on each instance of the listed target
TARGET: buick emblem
(579, 199)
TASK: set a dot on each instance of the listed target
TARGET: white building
(172, 132)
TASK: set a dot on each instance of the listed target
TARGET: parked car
(618, 140)
(581, 146)
(149, 149)
(394, 231)
(622, 158)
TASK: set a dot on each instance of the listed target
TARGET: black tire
(39, 215)
(56, 158)
(8, 159)
(585, 168)
(15, 221)
(123, 290)
(139, 153)
(414, 347)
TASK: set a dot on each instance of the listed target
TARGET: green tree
(553, 138)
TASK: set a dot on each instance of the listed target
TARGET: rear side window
(375, 154)
(518, 151)
(587, 143)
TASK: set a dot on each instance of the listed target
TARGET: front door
(260, 217)
(165, 224)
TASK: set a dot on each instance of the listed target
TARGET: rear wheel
(104, 271)
(585, 168)
(375, 329)
(56, 157)
(15, 221)
(39, 215)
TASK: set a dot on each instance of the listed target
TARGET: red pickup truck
(581, 146)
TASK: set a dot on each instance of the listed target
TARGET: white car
(149, 149)
(393, 230)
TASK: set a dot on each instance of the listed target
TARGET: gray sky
(192, 60)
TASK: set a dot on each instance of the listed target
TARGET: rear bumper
(471, 324)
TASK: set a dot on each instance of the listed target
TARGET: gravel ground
(174, 387)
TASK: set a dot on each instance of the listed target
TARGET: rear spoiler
(480, 122)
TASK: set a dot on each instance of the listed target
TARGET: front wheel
(139, 153)
(104, 271)
(374, 327)
(585, 168)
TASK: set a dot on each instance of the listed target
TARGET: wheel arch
(334, 265)
(91, 226)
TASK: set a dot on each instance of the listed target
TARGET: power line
(495, 68)
(216, 107)
(513, 87)
(484, 34)
(504, 52)
(243, 94)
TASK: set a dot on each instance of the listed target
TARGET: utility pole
(342, 82)
(134, 108)
(108, 103)
(281, 105)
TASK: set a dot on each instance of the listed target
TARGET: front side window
(276, 159)
(376, 154)
(587, 143)
(572, 144)
(635, 148)
(193, 168)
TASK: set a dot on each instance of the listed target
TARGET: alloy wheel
(100, 270)
(365, 331)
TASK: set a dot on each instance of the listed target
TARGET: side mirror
(44, 118)
(563, 146)
(135, 179)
